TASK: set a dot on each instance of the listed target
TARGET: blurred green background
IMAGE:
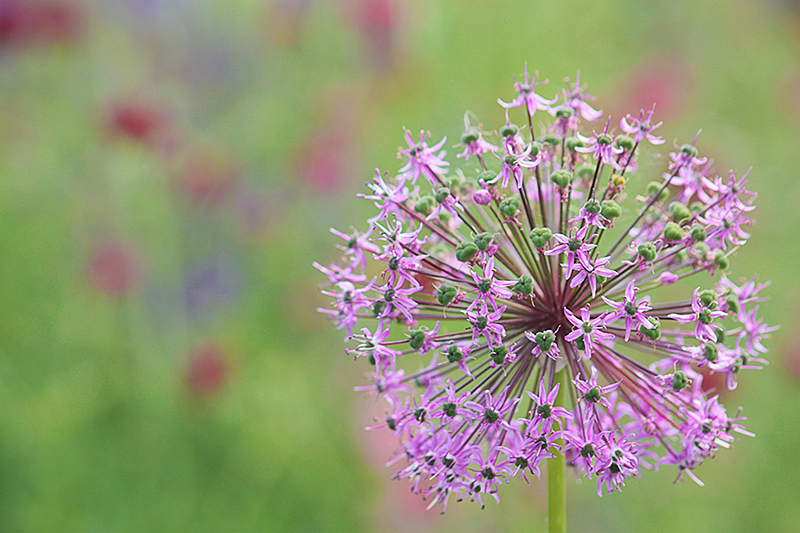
(168, 173)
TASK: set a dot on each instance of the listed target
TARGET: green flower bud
(572, 143)
(455, 183)
(647, 251)
(454, 354)
(536, 147)
(509, 129)
(415, 338)
(484, 285)
(446, 294)
(721, 260)
(592, 395)
(470, 136)
(491, 416)
(689, 150)
(540, 236)
(719, 333)
(498, 355)
(653, 333)
(442, 195)
(466, 251)
(592, 207)
(552, 140)
(587, 451)
(523, 286)
(702, 248)
(679, 212)
(481, 322)
(710, 352)
(564, 112)
(486, 176)
(545, 340)
(698, 234)
(738, 364)
(424, 205)
(379, 307)
(449, 409)
(704, 316)
(679, 380)
(482, 241)
(610, 209)
(624, 142)
(673, 232)
(618, 180)
(706, 297)
(510, 206)
(605, 139)
(653, 187)
(561, 178)
(733, 304)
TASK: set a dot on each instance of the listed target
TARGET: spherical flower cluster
(540, 337)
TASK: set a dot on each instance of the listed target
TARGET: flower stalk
(556, 473)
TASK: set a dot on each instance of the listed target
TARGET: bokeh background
(169, 170)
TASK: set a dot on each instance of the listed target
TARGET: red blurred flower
(140, 121)
(207, 370)
(665, 81)
(114, 267)
(38, 22)
(379, 23)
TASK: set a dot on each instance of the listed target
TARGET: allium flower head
(507, 321)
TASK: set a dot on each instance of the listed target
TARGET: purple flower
(388, 198)
(545, 412)
(575, 248)
(601, 146)
(630, 310)
(487, 325)
(702, 316)
(544, 342)
(473, 141)
(589, 270)
(592, 392)
(576, 99)
(512, 166)
(641, 128)
(488, 288)
(510, 375)
(523, 454)
(490, 411)
(422, 159)
(527, 96)
(357, 246)
(587, 329)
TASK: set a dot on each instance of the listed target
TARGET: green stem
(556, 474)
